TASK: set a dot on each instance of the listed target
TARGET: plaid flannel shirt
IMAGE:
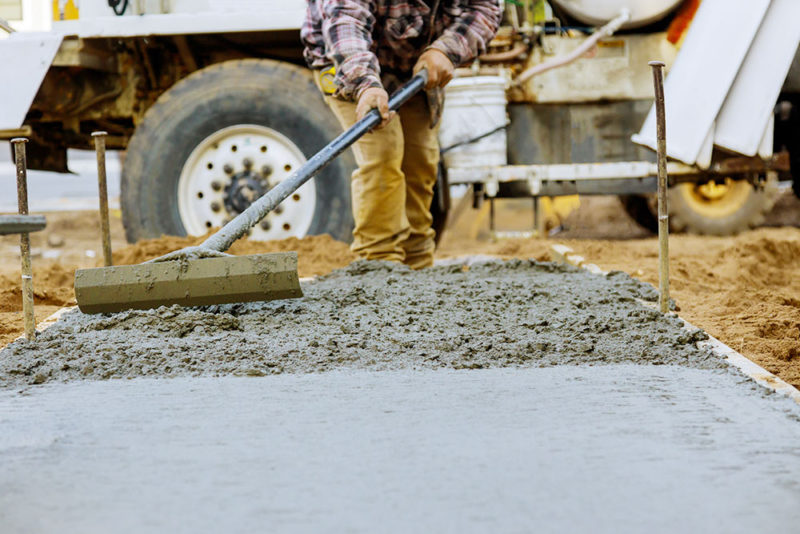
(375, 43)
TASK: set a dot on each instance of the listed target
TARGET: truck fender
(27, 57)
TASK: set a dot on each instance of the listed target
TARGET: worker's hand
(375, 98)
(440, 68)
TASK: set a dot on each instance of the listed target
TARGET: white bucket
(473, 107)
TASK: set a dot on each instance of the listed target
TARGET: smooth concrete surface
(616, 448)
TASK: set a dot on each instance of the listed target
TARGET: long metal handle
(236, 228)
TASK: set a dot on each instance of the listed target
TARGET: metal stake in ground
(663, 216)
(100, 149)
(25, 238)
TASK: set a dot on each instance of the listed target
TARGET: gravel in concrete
(616, 449)
(379, 316)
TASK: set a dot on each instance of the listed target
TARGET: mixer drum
(598, 12)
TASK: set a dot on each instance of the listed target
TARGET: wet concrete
(377, 316)
(616, 448)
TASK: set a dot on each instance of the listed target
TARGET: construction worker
(361, 50)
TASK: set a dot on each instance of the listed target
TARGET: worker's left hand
(375, 98)
(440, 68)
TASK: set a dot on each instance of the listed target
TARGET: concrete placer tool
(204, 274)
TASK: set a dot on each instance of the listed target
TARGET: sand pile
(53, 287)
(53, 280)
(52, 291)
(317, 254)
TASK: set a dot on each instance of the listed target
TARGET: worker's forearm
(469, 34)
(347, 29)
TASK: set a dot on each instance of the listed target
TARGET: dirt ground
(745, 290)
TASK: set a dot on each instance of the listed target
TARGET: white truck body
(725, 82)
(600, 11)
(185, 17)
(727, 38)
(105, 71)
(32, 53)
(30, 56)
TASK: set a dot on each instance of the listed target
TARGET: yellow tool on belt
(65, 10)
(435, 97)
(327, 80)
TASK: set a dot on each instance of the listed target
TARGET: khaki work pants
(392, 188)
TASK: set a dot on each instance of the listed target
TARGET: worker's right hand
(377, 98)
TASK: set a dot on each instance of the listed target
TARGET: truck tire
(721, 209)
(794, 164)
(710, 209)
(640, 209)
(221, 138)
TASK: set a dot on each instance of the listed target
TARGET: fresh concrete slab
(616, 448)
(378, 316)
(598, 414)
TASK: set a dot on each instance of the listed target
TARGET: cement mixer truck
(212, 104)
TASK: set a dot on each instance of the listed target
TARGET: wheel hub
(716, 200)
(244, 188)
(234, 167)
(713, 191)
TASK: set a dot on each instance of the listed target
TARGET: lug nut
(265, 226)
(266, 170)
(216, 186)
(278, 210)
(248, 193)
(248, 163)
(228, 168)
(215, 206)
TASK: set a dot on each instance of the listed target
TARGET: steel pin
(100, 149)
(663, 211)
(24, 238)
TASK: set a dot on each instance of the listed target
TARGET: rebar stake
(24, 238)
(100, 149)
(663, 212)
